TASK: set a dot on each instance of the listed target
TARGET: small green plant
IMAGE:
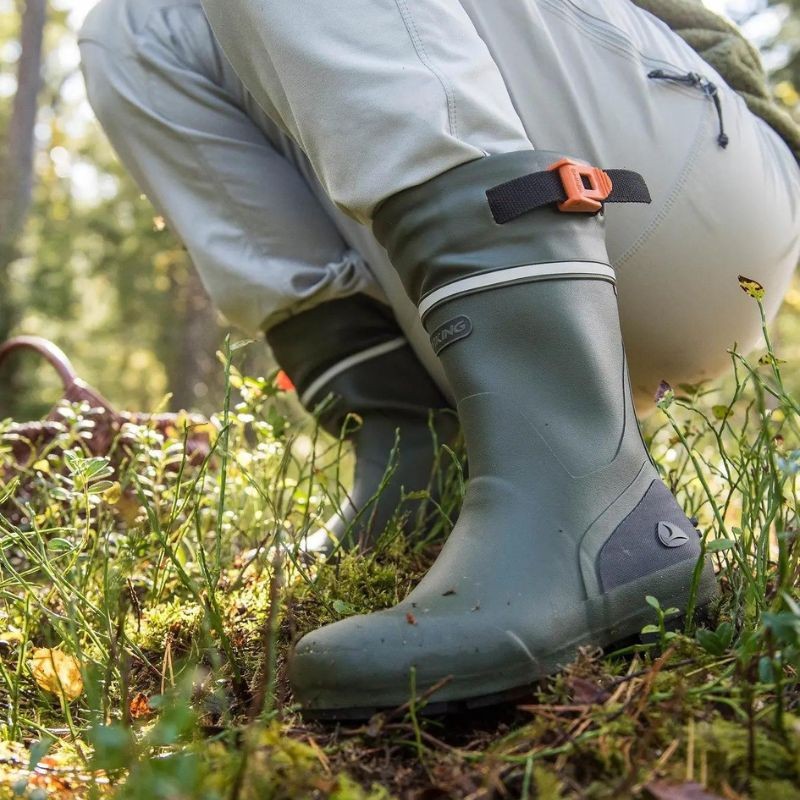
(716, 642)
(664, 616)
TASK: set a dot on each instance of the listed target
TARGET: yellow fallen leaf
(57, 672)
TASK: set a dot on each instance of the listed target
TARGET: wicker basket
(107, 437)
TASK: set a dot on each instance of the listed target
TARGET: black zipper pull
(708, 88)
(691, 78)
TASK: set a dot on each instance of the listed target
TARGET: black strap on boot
(575, 187)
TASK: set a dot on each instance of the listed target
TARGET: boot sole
(616, 627)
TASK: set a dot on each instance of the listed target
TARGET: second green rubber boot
(566, 526)
(352, 366)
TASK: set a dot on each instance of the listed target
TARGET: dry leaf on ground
(57, 672)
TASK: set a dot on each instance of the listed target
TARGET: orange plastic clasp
(586, 187)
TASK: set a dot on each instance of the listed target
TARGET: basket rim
(50, 352)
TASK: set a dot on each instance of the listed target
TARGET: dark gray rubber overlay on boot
(635, 548)
(443, 230)
(309, 343)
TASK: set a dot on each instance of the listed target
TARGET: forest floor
(145, 621)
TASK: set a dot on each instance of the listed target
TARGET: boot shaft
(525, 309)
(553, 350)
(349, 356)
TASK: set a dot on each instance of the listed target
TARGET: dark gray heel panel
(654, 536)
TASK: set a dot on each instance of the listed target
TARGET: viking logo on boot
(671, 535)
(452, 330)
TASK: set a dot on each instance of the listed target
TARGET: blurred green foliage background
(96, 271)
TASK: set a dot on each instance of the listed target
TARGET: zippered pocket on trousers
(612, 38)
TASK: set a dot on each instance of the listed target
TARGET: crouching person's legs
(268, 253)
(565, 527)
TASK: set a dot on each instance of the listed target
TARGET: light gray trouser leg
(409, 80)
(184, 125)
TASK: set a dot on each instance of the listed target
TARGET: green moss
(548, 784)
(727, 748)
(775, 790)
(354, 585)
(176, 620)
(281, 768)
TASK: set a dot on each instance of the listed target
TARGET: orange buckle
(586, 187)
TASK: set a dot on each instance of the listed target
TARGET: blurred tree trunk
(192, 366)
(16, 165)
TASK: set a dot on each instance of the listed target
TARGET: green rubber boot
(353, 368)
(566, 527)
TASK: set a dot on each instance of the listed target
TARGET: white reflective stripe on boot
(307, 398)
(524, 274)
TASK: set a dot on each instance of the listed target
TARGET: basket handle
(75, 389)
(51, 353)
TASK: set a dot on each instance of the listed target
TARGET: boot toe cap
(372, 662)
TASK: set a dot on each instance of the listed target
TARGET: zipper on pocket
(708, 88)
